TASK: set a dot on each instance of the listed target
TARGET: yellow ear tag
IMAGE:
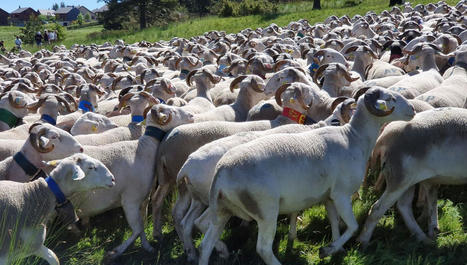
(143, 122)
(248, 71)
(353, 106)
(124, 105)
(52, 163)
(94, 128)
(383, 106)
(292, 100)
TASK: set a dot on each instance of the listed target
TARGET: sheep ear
(78, 173)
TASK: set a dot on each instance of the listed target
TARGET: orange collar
(297, 116)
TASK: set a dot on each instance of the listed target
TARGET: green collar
(8, 118)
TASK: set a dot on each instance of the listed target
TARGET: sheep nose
(81, 150)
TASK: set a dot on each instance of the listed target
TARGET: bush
(28, 32)
(59, 29)
(228, 8)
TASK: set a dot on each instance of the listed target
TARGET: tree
(55, 6)
(33, 26)
(87, 17)
(395, 2)
(62, 4)
(126, 13)
(80, 19)
(316, 4)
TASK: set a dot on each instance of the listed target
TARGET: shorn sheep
(26, 207)
(283, 174)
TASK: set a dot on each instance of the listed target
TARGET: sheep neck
(332, 83)
(359, 66)
(364, 129)
(244, 102)
(429, 63)
(202, 90)
(32, 157)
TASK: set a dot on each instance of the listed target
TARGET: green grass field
(391, 242)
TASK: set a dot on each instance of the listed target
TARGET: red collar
(297, 116)
(394, 56)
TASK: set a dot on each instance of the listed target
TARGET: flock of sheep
(256, 124)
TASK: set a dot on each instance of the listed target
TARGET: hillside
(196, 26)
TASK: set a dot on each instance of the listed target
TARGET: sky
(10, 5)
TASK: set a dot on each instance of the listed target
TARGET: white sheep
(426, 150)
(26, 207)
(132, 163)
(45, 142)
(269, 176)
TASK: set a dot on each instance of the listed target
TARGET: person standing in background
(38, 38)
(18, 43)
(51, 36)
(46, 37)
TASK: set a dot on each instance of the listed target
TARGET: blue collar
(86, 106)
(184, 71)
(48, 119)
(162, 101)
(137, 118)
(59, 196)
(155, 133)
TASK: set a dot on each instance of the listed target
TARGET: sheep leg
(266, 233)
(133, 217)
(343, 206)
(202, 223)
(47, 254)
(196, 209)
(180, 209)
(292, 231)
(404, 205)
(157, 201)
(333, 219)
(377, 211)
(217, 224)
(433, 226)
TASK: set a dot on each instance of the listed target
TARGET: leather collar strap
(137, 118)
(48, 119)
(8, 118)
(297, 116)
(335, 122)
(28, 168)
(53, 186)
(86, 106)
(155, 133)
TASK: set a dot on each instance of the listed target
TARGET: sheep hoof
(157, 235)
(149, 249)
(192, 259)
(111, 255)
(324, 252)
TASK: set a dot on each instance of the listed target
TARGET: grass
(391, 242)
(197, 26)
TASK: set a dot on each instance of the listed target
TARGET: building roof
(46, 12)
(100, 10)
(20, 10)
(64, 10)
